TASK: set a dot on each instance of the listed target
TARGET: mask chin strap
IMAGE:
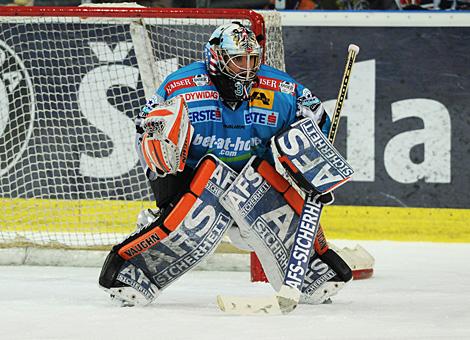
(246, 92)
(226, 87)
(242, 90)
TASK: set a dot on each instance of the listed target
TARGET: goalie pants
(165, 189)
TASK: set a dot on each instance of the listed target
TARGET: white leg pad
(323, 293)
(127, 296)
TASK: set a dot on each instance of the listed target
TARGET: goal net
(72, 82)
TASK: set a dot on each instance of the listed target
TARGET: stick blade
(249, 306)
(283, 303)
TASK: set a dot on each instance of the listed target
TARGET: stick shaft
(352, 53)
(288, 297)
(311, 205)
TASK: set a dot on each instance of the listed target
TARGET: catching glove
(167, 136)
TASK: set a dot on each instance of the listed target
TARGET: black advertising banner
(69, 94)
(406, 126)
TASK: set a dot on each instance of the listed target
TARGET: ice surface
(419, 291)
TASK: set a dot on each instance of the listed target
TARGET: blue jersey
(234, 135)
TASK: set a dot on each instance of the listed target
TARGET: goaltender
(208, 123)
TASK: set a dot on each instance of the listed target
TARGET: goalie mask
(233, 57)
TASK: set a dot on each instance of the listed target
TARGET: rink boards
(108, 221)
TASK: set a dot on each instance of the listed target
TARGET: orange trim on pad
(272, 177)
(141, 244)
(320, 244)
(202, 176)
(294, 199)
(288, 162)
(179, 212)
(159, 112)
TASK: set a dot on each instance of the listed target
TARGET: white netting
(274, 49)
(70, 88)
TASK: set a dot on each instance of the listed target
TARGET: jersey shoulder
(185, 79)
(273, 79)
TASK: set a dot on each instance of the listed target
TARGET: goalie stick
(287, 299)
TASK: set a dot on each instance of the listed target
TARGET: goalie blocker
(304, 154)
(148, 261)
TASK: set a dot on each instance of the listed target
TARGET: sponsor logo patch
(261, 117)
(262, 98)
(205, 114)
(201, 80)
(178, 84)
(287, 87)
(268, 83)
(226, 146)
(200, 95)
(276, 85)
